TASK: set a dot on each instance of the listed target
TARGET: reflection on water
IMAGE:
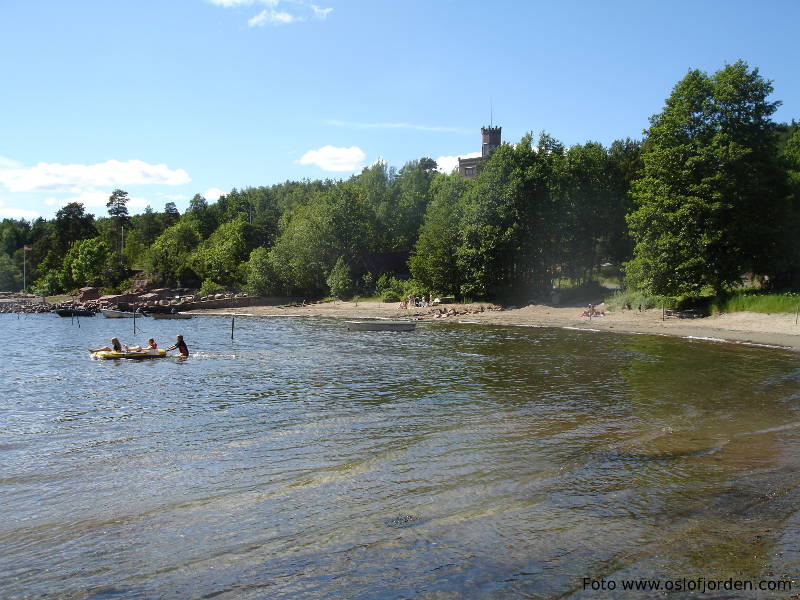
(303, 460)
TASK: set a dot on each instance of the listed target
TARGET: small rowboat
(141, 355)
(381, 325)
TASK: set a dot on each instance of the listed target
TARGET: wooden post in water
(233, 318)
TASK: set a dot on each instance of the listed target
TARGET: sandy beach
(753, 328)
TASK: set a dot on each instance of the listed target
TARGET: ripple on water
(304, 460)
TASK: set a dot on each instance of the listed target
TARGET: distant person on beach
(180, 345)
(115, 347)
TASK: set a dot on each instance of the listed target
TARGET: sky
(166, 99)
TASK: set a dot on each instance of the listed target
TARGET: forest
(709, 196)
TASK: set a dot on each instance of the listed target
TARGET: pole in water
(232, 320)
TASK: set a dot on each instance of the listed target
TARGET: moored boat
(176, 315)
(381, 325)
(73, 312)
(120, 314)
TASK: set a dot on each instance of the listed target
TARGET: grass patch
(636, 298)
(758, 302)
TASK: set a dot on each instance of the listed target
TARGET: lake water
(301, 460)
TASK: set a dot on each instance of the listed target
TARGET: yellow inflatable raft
(143, 354)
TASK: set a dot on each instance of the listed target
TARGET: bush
(47, 285)
(339, 280)
(210, 287)
(638, 298)
(368, 284)
(390, 296)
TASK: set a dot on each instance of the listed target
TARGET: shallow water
(301, 460)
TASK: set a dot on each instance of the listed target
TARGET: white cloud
(362, 125)
(16, 213)
(234, 3)
(330, 158)
(213, 194)
(7, 163)
(320, 13)
(272, 17)
(55, 177)
(446, 164)
(302, 10)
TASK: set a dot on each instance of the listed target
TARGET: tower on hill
(490, 139)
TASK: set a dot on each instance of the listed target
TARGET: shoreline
(756, 329)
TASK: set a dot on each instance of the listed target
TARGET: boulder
(87, 293)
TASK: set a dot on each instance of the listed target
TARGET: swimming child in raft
(151, 346)
(115, 347)
(180, 345)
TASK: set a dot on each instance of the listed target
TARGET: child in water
(180, 345)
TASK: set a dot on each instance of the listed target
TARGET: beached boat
(177, 315)
(381, 325)
(120, 314)
(73, 312)
(141, 355)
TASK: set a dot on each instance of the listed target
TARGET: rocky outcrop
(87, 293)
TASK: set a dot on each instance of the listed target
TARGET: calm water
(305, 461)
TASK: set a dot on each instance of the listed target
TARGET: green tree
(222, 255)
(340, 281)
(200, 216)
(375, 183)
(625, 166)
(435, 259)
(85, 263)
(169, 256)
(410, 190)
(147, 225)
(117, 206)
(332, 224)
(118, 211)
(260, 279)
(514, 222)
(73, 224)
(712, 195)
(171, 214)
(10, 275)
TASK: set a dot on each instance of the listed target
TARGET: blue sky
(168, 98)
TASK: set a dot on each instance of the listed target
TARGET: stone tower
(490, 139)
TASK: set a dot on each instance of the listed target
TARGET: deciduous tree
(711, 203)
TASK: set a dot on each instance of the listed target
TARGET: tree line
(710, 194)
